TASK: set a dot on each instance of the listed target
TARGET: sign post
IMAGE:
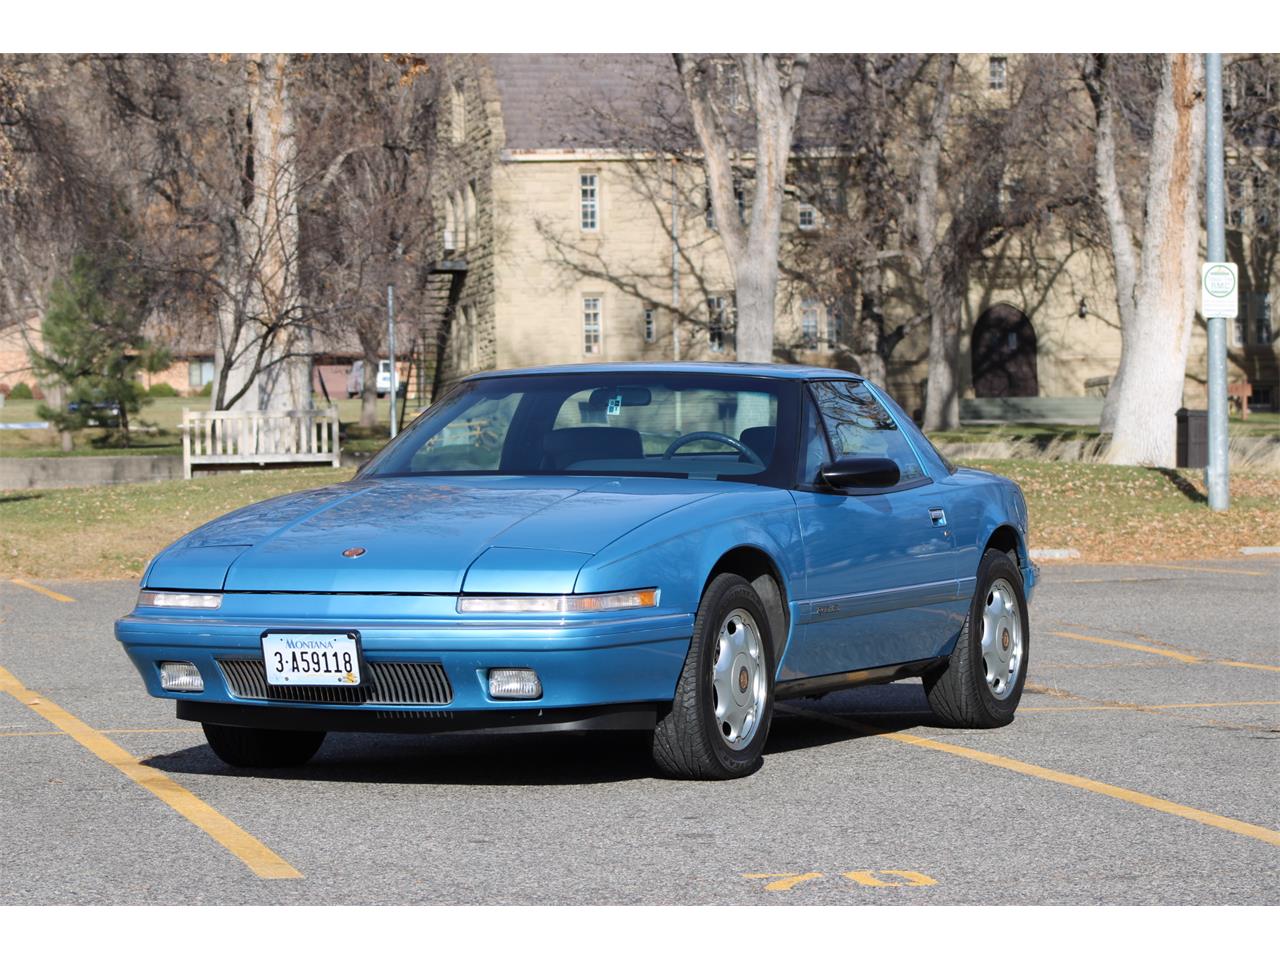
(1219, 298)
(391, 351)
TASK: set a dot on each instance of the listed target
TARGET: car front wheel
(251, 747)
(723, 706)
(981, 683)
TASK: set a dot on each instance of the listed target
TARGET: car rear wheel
(981, 683)
(251, 747)
(723, 706)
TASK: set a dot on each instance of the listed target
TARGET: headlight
(572, 603)
(189, 601)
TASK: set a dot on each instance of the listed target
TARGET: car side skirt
(626, 716)
(814, 686)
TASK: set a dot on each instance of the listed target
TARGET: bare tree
(1155, 277)
(773, 87)
(368, 222)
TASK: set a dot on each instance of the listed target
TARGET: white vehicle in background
(355, 379)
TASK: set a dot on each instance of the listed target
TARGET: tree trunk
(1153, 363)
(942, 392)
(752, 248)
(1098, 80)
(942, 405)
(267, 265)
(756, 286)
(369, 389)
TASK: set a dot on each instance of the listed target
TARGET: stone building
(556, 245)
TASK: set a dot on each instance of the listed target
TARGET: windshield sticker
(615, 406)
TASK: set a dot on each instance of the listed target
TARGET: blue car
(661, 547)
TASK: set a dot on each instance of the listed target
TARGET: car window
(815, 451)
(473, 440)
(626, 423)
(859, 426)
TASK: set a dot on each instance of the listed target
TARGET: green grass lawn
(1107, 513)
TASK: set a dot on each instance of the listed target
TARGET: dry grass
(1116, 514)
(1107, 513)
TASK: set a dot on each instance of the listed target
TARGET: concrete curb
(1251, 551)
(1067, 553)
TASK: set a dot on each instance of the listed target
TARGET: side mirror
(861, 472)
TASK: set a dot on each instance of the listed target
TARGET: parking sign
(1219, 290)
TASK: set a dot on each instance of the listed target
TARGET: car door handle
(938, 516)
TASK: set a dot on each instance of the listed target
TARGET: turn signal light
(572, 603)
(188, 601)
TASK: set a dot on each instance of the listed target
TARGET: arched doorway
(1004, 354)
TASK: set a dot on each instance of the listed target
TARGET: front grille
(422, 684)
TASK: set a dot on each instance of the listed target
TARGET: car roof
(780, 371)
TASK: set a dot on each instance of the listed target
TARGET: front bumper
(584, 663)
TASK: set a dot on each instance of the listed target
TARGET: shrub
(206, 390)
(20, 392)
(162, 390)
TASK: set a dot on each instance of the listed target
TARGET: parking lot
(1142, 768)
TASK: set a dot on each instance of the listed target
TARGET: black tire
(958, 692)
(687, 742)
(251, 747)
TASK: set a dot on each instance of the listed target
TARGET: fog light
(180, 675)
(514, 685)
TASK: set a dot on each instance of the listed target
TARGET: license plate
(311, 659)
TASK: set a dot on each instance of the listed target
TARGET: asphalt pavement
(1142, 767)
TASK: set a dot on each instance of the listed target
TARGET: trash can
(1193, 438)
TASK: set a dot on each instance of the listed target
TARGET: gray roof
(577, 100)
(581, 101)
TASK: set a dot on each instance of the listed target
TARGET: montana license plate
(311, 659)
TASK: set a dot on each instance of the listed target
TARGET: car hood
(422, 535)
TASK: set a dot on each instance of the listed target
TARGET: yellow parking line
(1163, 652)
(1251, 830)
(1141, 647)
(1173, 566)
(51, 594)
(1150, 706)
(1247, 666)
(252, 852)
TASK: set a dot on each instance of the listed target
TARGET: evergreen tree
(94, 347)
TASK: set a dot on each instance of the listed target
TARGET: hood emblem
(353, 552)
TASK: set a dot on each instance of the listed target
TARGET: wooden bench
(221, 438)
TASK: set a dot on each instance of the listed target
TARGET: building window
(469, 211)
(833, 328)
(997, 73)
(1239, 335)
(719, 317)
(450, 226)
(809, 324)
(740, 197)
(199, 372)
(650, 325)
(589, 199)
(710, 210)
(458, 113)
(808, 217)
(1262, 333)
(473, 337)
(591, 325)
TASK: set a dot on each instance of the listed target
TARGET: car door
(880, 587)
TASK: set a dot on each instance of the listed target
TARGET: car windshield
(657, 424)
